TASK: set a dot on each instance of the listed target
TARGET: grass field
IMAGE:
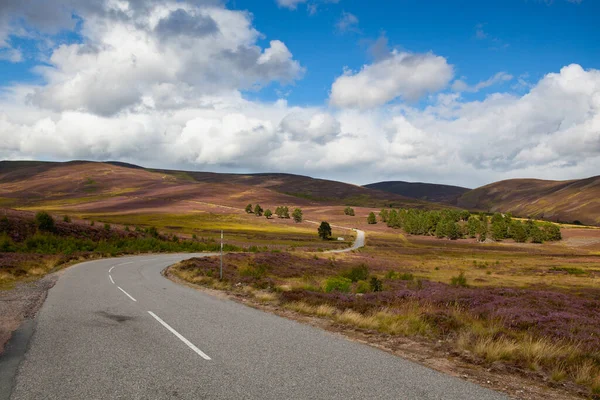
(528, 306)
(239, 229)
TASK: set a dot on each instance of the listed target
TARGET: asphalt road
(117, 329)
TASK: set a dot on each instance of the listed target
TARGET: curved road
(358, 243)
(116, 328)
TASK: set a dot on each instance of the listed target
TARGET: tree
(384, 214)
(453, 230)
(44, 221)
(536, 234)
(249, 209)
(258, 211)
(483, 227)
(282, 212)
(372, 219)
(349, 211)
(499, 227)
(518, 232)
(268, 213)
(325, 230)
(473, 226)
(552, 232)
(297, 215)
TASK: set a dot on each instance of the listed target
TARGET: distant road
(116, 328)
(358, 243)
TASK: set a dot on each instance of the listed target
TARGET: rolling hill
(84, 186)
(423, 191)
(566, 201)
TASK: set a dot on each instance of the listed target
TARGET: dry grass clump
(322, 310)
(265, 297)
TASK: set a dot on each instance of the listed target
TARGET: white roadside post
(221, 270)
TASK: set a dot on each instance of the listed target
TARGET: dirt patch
(515, 383)
(21, 303)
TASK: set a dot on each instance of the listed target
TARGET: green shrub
(362, 287)
(44, 221)
(391, 275)
(152, 231)
(107, 227)
(459, 281)
(407, 276)
(358, 273)
(66, 219)
(254, 271)
(338, 284)
(6, 244)
(376, 284)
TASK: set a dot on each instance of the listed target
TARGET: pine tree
(325, 230)
(372, 219)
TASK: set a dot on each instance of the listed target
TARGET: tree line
(456, 224)
(281, 212)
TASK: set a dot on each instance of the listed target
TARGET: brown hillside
(567, 201)
(104, 187)
(96, 187)
(424, 191)
(316, 190)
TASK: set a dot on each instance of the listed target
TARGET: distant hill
(423, 191)
(566, 201)
(120, 187)
(313, 189)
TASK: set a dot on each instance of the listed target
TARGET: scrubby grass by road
(555, 333)
(31, 247)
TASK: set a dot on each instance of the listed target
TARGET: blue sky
(522, 37)
(459, 92)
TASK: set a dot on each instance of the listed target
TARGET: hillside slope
(568, 201)
(313, 189)
(84, 186)
(424, 191)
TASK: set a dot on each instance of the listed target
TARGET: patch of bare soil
(21, 303)
(499, 377)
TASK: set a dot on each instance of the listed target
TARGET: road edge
(13, 355)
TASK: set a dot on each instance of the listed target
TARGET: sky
(458, 92)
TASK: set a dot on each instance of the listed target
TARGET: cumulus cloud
(140, 89)
(461, 86)
(401, 74)
(175, 48)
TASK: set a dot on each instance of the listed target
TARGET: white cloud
(174, 48)
(168, 97)
(405, 75)
(462, 86)
(347, 22)
(311, 5)
(291, 4)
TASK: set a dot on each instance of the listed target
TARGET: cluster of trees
(455, 224)
(281, 212)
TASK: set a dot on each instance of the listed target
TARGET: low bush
(337, 284)
(44, 221)
(358, 273)
(362, 287)
(459, 281)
